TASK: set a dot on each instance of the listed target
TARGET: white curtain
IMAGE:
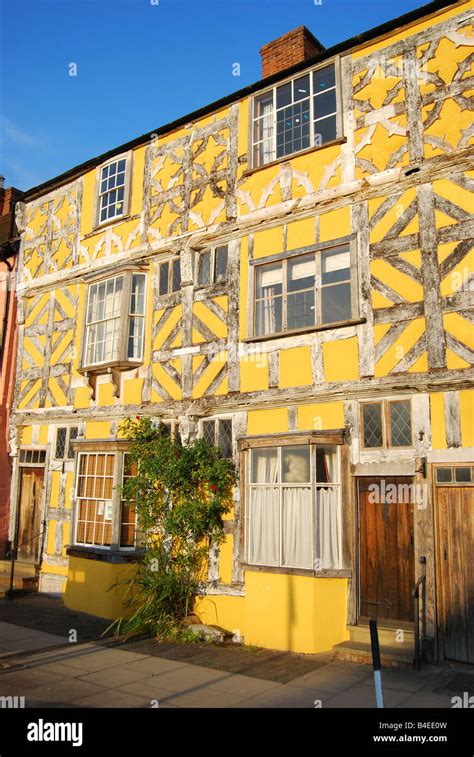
(328, 529)
(268, 151)
(297, 531)
(264, 534)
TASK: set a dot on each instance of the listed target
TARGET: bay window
(294, 517)
(115, 320)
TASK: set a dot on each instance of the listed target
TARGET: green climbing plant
(181, 493)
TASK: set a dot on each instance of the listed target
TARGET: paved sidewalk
(91, 675)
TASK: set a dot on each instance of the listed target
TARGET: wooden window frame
(386, 424)
(31, 448)
(67, 445)
(453, 466)
(253, 164)
(170, 261)
(128, 156)
(284, 258)
(121, 360)
(213, 259)
(118, 450)
(333, 438)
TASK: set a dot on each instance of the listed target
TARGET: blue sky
(140, 64)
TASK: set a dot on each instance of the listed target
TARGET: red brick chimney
(288, 50)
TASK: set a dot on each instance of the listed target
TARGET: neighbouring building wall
(392, 192)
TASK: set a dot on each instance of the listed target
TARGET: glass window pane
(336, 303)
(295, 464)
(444, 475)
(301, 310)
(264, 526)
(204, 274)
(137, 296)
(283, 95)
(325, 104)
(297, 531)
(301, 88)
(326, 465)
(209, 432)
(400, 423)
(221, 263)
(263, 105)
(225, 437)
(61, 435)
(324, 78)
(325, 130)
(164, 270)
(264, 465)
(463, 475)
(301, 273)
(269, 316)
(176, 276)
(372, 424)
(336, 265)
(73, 431)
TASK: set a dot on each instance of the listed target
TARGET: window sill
(103, 555)
(342, 573)
(308, 330)
(110, 222)
(286, 158)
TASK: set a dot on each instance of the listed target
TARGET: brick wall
(286, 51)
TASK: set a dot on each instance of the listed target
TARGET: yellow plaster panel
(401, 283)
(335, 224)
(136, 199)
(26, 435)
(295, 367)
(91, 587)
(132, 391)
(166, 382)
(97, 429)
(438, 427)
(341, 360)
(43, 435)
(268, 242)
(466, 402)
(225, 559)
(82, 397)
(254, 373)
(321, 416)
(88, 196)
(300, 233)
(54, 492)
(272, 421)
(106, 394)
(414, 329)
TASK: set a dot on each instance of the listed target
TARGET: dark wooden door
(456, 571)
(29, 523)
(386, 556)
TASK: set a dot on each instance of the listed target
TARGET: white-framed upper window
(212, 266)
(64, 448)
(102, 513)
(218, 432)
(115, 320)
(386, 423)
(293, 510)
(299, 291)
(113, 189)
(296, 115)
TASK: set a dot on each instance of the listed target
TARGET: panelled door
(386, 553)
(455, 553)
(29, 522)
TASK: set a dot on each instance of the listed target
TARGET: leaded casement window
(113, 189)
(64, 448)
(103, 517)
(169, 276)
(218, 432)
(293, 507)
(386, 423)
(115, 320)
(212, 266)
(300, 291)
(296, 115)
(32, 457)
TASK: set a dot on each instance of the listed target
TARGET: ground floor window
(103, 517)
(294, 507)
